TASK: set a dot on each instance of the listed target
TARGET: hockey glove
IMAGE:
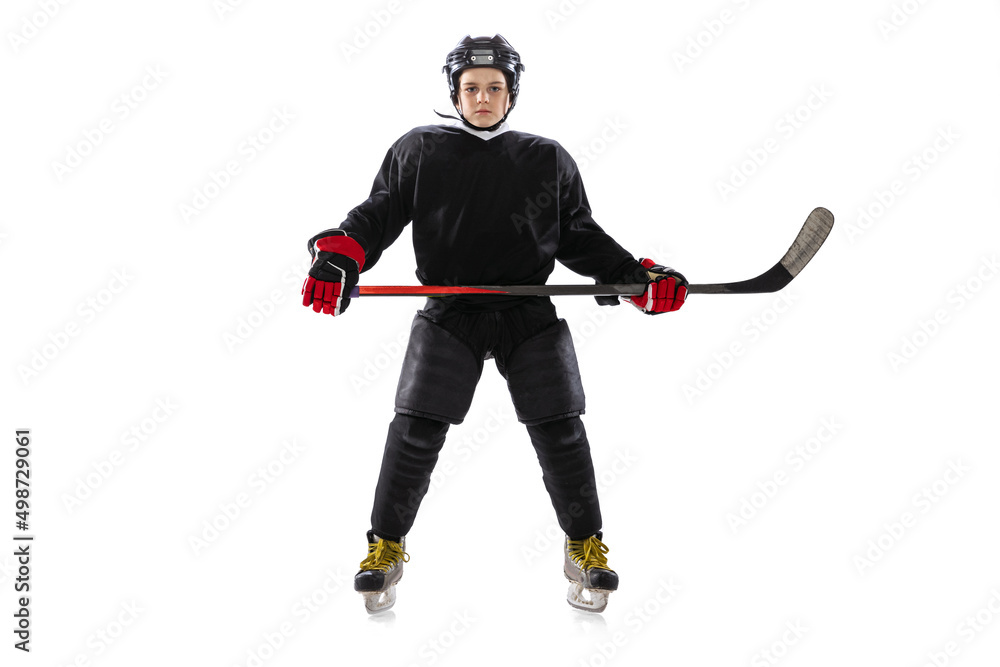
(337, 261)
(665, 289)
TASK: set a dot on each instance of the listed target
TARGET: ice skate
(591, 580)
(380, 572)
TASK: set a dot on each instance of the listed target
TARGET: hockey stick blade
(809, 240)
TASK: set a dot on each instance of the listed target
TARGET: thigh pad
(439, 374)
(544, 378)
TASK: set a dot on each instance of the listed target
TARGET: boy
(465, 188)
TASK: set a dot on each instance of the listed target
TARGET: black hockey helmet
(492, 51)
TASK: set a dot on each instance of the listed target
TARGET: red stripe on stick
(373, 290)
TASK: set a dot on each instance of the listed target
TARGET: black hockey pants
(444, 360)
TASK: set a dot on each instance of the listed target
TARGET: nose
(483, 97)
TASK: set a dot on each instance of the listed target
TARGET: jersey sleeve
(379, 220)
(583, 246)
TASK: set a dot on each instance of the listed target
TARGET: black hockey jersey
(486, 212)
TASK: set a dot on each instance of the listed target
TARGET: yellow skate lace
(384, 555)
(589, 553)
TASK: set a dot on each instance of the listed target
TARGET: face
(483, 97)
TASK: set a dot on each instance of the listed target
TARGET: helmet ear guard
(493, 52)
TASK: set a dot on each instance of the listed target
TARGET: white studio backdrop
(806, 478)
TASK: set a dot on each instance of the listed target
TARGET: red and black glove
(337, 261)
(665, 289)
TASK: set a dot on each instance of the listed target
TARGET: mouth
(482, 111)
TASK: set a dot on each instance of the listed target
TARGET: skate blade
(377, 602)
(587, 599)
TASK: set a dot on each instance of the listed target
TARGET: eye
(470, 89)
(495, 89)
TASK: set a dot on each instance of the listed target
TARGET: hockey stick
(812, 235)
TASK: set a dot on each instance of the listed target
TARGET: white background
(874, 339)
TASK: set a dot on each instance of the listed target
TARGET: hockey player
(465, 188)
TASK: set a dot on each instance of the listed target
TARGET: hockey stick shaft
(514, 290)
(809, 240)
(619, 289)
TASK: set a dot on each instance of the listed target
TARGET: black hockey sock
(411, 451)
(568, 473)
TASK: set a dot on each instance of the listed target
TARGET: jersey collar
(482, 134)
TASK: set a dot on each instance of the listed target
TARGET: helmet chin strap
(476, 127)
